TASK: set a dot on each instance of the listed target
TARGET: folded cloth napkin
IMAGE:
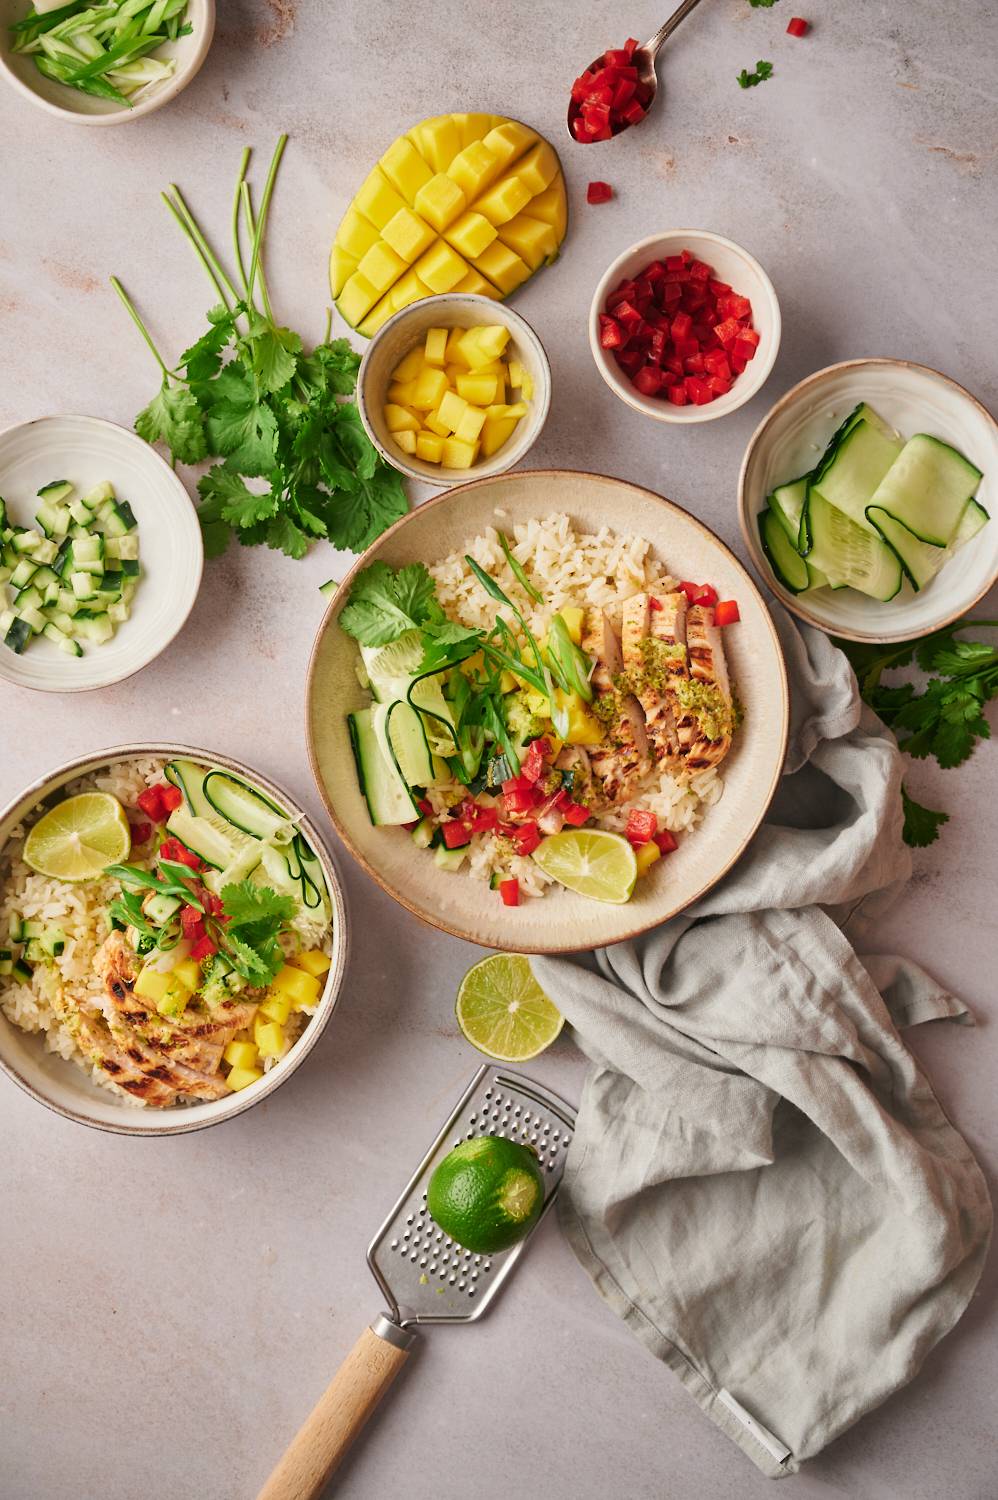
(762, 1182)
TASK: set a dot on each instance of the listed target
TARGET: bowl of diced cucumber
(866, 499)
(100, 554)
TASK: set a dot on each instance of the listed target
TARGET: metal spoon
(643, 58)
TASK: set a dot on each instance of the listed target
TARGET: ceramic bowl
(560, 921)
(87, 450)
(913, 399)
(67, 1088)
(82, 109)
(731, 264)
(407, 330)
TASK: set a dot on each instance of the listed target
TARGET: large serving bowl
(65, 1087)
(913, 398)
(560, 921)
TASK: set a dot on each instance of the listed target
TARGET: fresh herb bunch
(248, 395)
(945, 718)
(763, 70)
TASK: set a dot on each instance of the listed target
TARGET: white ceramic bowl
(67, 1088)
(730, 263)
(913, 398)
(405, 331)
(82, 109)
(560, 921)
(87, 450)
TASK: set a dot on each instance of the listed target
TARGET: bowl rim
(156, 100)
(540, 404)
(181, 621)
(336, 603)
(332, 988)
(663, 411)
(745, 522)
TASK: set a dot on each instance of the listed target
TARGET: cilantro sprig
(293, 462)
(763, 70)
(944, 718)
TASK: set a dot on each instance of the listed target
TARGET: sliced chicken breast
(654, 637)
(710, 701)
(622, 762)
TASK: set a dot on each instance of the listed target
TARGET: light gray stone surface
(171, 1309)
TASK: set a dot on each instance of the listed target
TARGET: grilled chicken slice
(122, 1063)
(709, 670)
(177, 1075)
(621, 762)
(654, 639)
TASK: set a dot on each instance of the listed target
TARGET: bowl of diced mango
(454, 387)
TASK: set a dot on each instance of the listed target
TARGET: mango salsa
(467, 202)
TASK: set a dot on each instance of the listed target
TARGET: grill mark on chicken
(621, 763)
(707, 666)
(654, 637)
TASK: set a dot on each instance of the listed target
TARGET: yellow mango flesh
(462, 176)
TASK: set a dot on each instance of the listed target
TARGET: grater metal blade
(424, 1275)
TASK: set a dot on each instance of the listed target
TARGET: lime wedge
(588, 860)
(503, 1011)
(77, 838)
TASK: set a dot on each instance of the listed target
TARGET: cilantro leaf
(763, 4)
(245, 433)
(204, 357)
(242, 901)
(236, 503)
(284, 535)
(383, 604)
(921, 824)
(747, 80)
(173, 417)
(254, 915)
(273, 357)
(368, 510)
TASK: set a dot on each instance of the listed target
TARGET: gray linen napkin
(762, 1182)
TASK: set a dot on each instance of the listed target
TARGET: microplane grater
(425, 1277)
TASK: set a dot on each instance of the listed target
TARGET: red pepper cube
(509, 890)
(737, 365)
(741, 349)
(653, 603)
(694, 298)
(670, 295)
(677, 395)
(694, 365)
(486, 820)
(667, 377)
(706, 595)
(685, 348)
(648, 380)
(749, 336)
(666, 841)
(619, 294)
(681, 325)
(611, 335)
(455, 834)
(191, 923)
(627, 314)
(739, 307)
(726, 612)
(718, 287)
(718, 386)
(527, 838)
(698, 390)
(673, 363)
(656, 350)
(700, 271)
(575, 815)
(171, 797)
(141, 833)
(631, 46)
(599, 192)
(716, 363)
(629, 360)
(655, 271)
(642, 825)
(727, 331)
(634, 112)
(151, 803)
(798, 26)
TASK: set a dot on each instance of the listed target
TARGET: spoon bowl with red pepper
(618, 88)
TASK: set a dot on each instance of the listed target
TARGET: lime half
(503, 1011)
(487, 1193)
(76, 839)
(588, 860)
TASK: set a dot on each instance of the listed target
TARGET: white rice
(568, 568)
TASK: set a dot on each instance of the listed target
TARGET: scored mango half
(460, 203)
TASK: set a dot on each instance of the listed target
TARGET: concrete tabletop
(172, 1308)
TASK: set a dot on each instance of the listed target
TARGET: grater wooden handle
(340, 1414)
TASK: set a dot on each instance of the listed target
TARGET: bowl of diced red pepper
(685, 326)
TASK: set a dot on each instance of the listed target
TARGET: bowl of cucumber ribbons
(866, 499)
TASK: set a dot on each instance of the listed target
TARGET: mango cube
(472, 127)
(538, 169)
(503, 200)
(174, 1002)
(314, 962)
(356, 234)
(552, 207)
(517, 409)
(438, 140)
(405, 441)
(471, 234)
(241, 1054)
(477, 286)
(431, 388)
(405, 168)
(436, 427)
(495, 432)
(470, 425)
(452, 408)
(276, 1008)
(381, 267)
(341, 267)
(410, 365)
(503, 266)
(357, 297)
(297, 986)
(152, 984)
(532, 239)
(509, 140)
(480, 390)
(399, 419)
(241, 1078)
(269, 1037)
(474, 168)
(458, 455)
(645, 856)
(187, 972)
(429, 447)
(407, 289)
(435, 350)
(573, 616)
(440, 200)
(408, 235)
(377, 200)
(378, 315)
(454, 354)
(441, 268)
(583, 727)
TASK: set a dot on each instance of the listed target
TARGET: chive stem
(133, 314)
(192, 229)
(236, 221)
(268, 189)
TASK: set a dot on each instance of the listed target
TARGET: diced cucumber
(117, 611)
(388, 799)
(53, 519)
(23, 573)
(123, 546)
(852, 466)
(79, 512)
(45, 551)
(329, 587)
(118, 518)
(159, 909)
(26, 540)
(6, 962)
(82, 585)
(32, 929)
(423, 834)
(98, 496)
(67, 602)
(33, 617)
(449, 859)
(52, 633)
(786, 562)
(17, 635)
(55, 492)
(63, 622)
(848, 554)
(927, 488)
(7, 618)
(130, 567)
(29, 598)
(21, 972)
(97, 630)
(71, 647)
(63, 558)
(53, 941)
(16, 929)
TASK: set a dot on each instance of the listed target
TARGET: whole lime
(487, 1193)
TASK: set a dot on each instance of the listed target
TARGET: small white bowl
(913, 398)
(405, 331)
(82, 109)
(66, 1088)
(86, 450)
(744, 275)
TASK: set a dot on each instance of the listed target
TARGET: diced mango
(435, 351)
(438, 140)
(435, 426)
(645, 856)
(538, 169)
(431, 388)
(516, 409)
(480, 346)
(152, 984)
(471, 234)
(405, 441)
(174, 1002)
(515, 370)
(454, 372)
(410, 365)
(532, 239)
(552, 207)
(400, 419)
(356, 234)
(474, 168)
(357, 297)
(480, 390)
(409, 288)
(377, 200)
(297, 986)
(341, 267)
(276, 1007)
(241, 1054)
(583, 727)
(378, 315)
(450, 411)
(503, 267)
(573, 617)
(408, 235)
(454, 355)
(314, 962)
(472, 127)
(405, 168)
(476, 285)
(507, 682)
(381, 267)
(495, 432)
(458, 455)
(441, 268)
(509, 140)
(503, 200)
(470, 425)
(241, 1078)
(440, 200)
(187, 972)
(429, 447)
(269, 1037)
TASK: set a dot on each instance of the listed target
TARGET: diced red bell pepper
(698, 390)
(681, 325)
(719, 288)
(532, 766)
(611, 335)
(575, 814)
(676, 394)
(599, 192)
(648, 380)
(425, 807)
(171, 797)
(173, 849)
(526, 838)
(203, 948)
(516, 784)
(798, 26)
(726, 612)
(455, 834)
(727, 330)
(718, 386)
(685, 348)
(666, 841)
(707, 595)
(694, 365)
(742, 349)
(699, 271)
(486, 820)
(141, 833)
(716, 363)
(520, 802)
(509, 890)
(151, 803)
(642, 825)
(191, 923)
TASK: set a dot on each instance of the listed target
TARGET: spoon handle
(664, 32)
